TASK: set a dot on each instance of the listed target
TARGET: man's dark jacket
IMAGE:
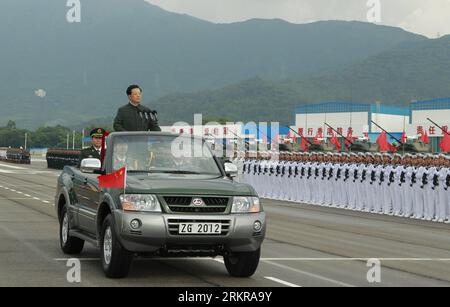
(140, 118)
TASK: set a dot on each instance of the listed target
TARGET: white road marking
(15, 198)
(11, 166)
(336, 282)
(81, 259)
(282, 282)
(6, 172)
(27, 195)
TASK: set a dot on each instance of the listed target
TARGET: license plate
(200, 228)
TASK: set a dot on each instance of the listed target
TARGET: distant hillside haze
(85, 67)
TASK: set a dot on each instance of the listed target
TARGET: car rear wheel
(243, 264)
(116, 260)
(69, 245)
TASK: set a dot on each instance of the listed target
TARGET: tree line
(42, 137)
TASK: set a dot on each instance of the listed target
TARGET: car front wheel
(242, 264)
(69, 245)
(116, 260)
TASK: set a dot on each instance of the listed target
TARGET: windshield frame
(110, 141)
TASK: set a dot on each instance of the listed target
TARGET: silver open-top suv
(178, 201)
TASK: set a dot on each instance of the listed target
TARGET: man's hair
(132, 87)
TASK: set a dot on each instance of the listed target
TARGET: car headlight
(246, 205)
(140, 202)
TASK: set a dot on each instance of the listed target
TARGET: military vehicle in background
(415, 145)
(364, 145)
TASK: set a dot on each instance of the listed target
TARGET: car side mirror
(231, 170)
(90, 165)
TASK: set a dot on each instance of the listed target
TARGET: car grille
(182, 204)
(174, 225)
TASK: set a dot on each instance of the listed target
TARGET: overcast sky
(427, 17)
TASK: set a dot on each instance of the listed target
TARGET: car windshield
(163, 154)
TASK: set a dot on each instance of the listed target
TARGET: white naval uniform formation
(412, 186)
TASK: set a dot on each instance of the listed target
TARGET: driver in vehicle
(121, 158)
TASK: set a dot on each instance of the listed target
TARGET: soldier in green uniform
(134, 116)
(95, 151)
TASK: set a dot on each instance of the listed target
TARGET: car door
(92, 193)
(88, 195)
(78, 179)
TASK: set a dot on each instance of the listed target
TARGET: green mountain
(409, 71)
(85, 67)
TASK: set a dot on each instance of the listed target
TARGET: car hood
(218, 186)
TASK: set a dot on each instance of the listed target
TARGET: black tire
(118, 264)
(243, 264)
(69, 245)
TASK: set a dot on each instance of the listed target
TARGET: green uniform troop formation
(412, 186)
(58, 158)
(15, 155)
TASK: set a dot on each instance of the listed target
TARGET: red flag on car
(445, 144)
(383, 142)
(335, 141)
(116, 180)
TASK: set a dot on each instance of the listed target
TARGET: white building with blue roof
(342, 116)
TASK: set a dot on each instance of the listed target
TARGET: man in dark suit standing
(134, 116)
(95, 151)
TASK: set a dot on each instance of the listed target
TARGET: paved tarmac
(306, 246)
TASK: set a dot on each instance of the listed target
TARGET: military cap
(97, 132)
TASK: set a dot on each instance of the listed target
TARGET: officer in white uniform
(387, 190)
(428, 186)
(362, 192)
(442, 189)
(379, 183)
(398, 188)
(419, 191)
(346, 182)
(353, 178)
(408, 187)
